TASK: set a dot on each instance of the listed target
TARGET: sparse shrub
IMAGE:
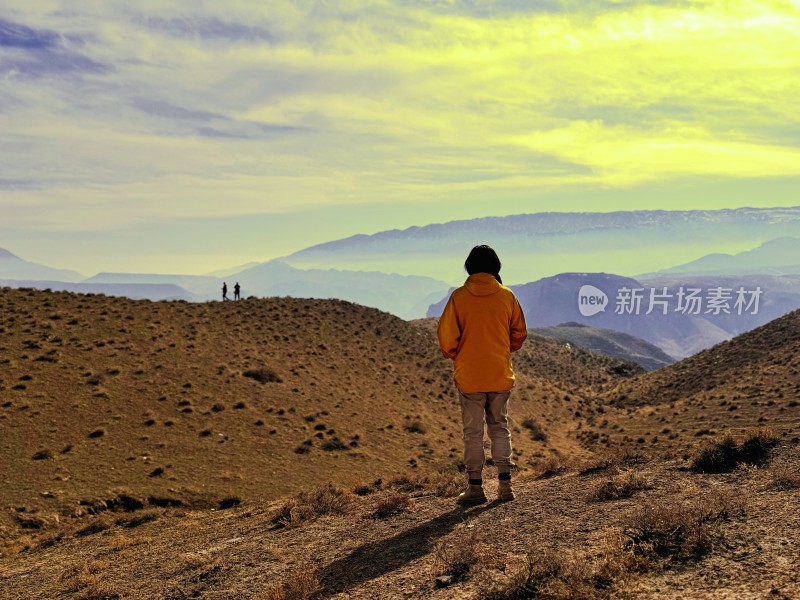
(537, 433)
(678, 530)
(334, 444)
(725, 455)
(364, 490)
(756, 447)
(97, 433)
(619, 486)
(391, 505)
(458, 555)
(415, 426)
(263, 375)
(42, 455)
(308, 506)
(542, 576)
(229, 502)
(304, 448)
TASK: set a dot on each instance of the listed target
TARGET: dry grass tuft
(308, 506)
(302, 584)
(445, 483)
(785, 477)
(618, 486)
(548, 574)
(392, 505)
(81, 580)
(551, 467)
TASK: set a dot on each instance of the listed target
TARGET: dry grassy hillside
(751, 380)
(124, 421)
(649, 529)
(108, 400)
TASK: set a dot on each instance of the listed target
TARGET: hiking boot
(505, 493)
(473, 495)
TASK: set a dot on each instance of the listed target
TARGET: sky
(158, 136)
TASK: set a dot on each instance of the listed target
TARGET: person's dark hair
(483, 259)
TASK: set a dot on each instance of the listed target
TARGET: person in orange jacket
(482, 324)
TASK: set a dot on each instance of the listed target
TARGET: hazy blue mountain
(610, 342)
(401, 295)
(137, 291)
(219, 273)
(780, 256)
(532, 246)
(14, 267)
(199, 285)
(554, 300)
(780, 295)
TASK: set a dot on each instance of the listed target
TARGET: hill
(750, 380)
(609, 342)
(775, 257)
(185, 402)
(14, 267)
(134, 291)
(144, 442)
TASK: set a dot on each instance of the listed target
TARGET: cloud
(14, 35)
(209, 28)
(125, 113)
(34, 52)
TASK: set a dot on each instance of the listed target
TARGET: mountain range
(406, 272)
(538, 245)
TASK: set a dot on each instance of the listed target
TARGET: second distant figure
(482, 324)
(236, 289)
(225, 291)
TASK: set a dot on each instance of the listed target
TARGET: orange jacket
(482, 324)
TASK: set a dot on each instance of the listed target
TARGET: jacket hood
(482, 284)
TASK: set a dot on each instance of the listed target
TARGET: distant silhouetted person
(236, 290)
(482, 324)
(225, 291)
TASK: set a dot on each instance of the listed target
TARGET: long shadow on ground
(380, 557)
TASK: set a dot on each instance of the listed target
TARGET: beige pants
(490, 408)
